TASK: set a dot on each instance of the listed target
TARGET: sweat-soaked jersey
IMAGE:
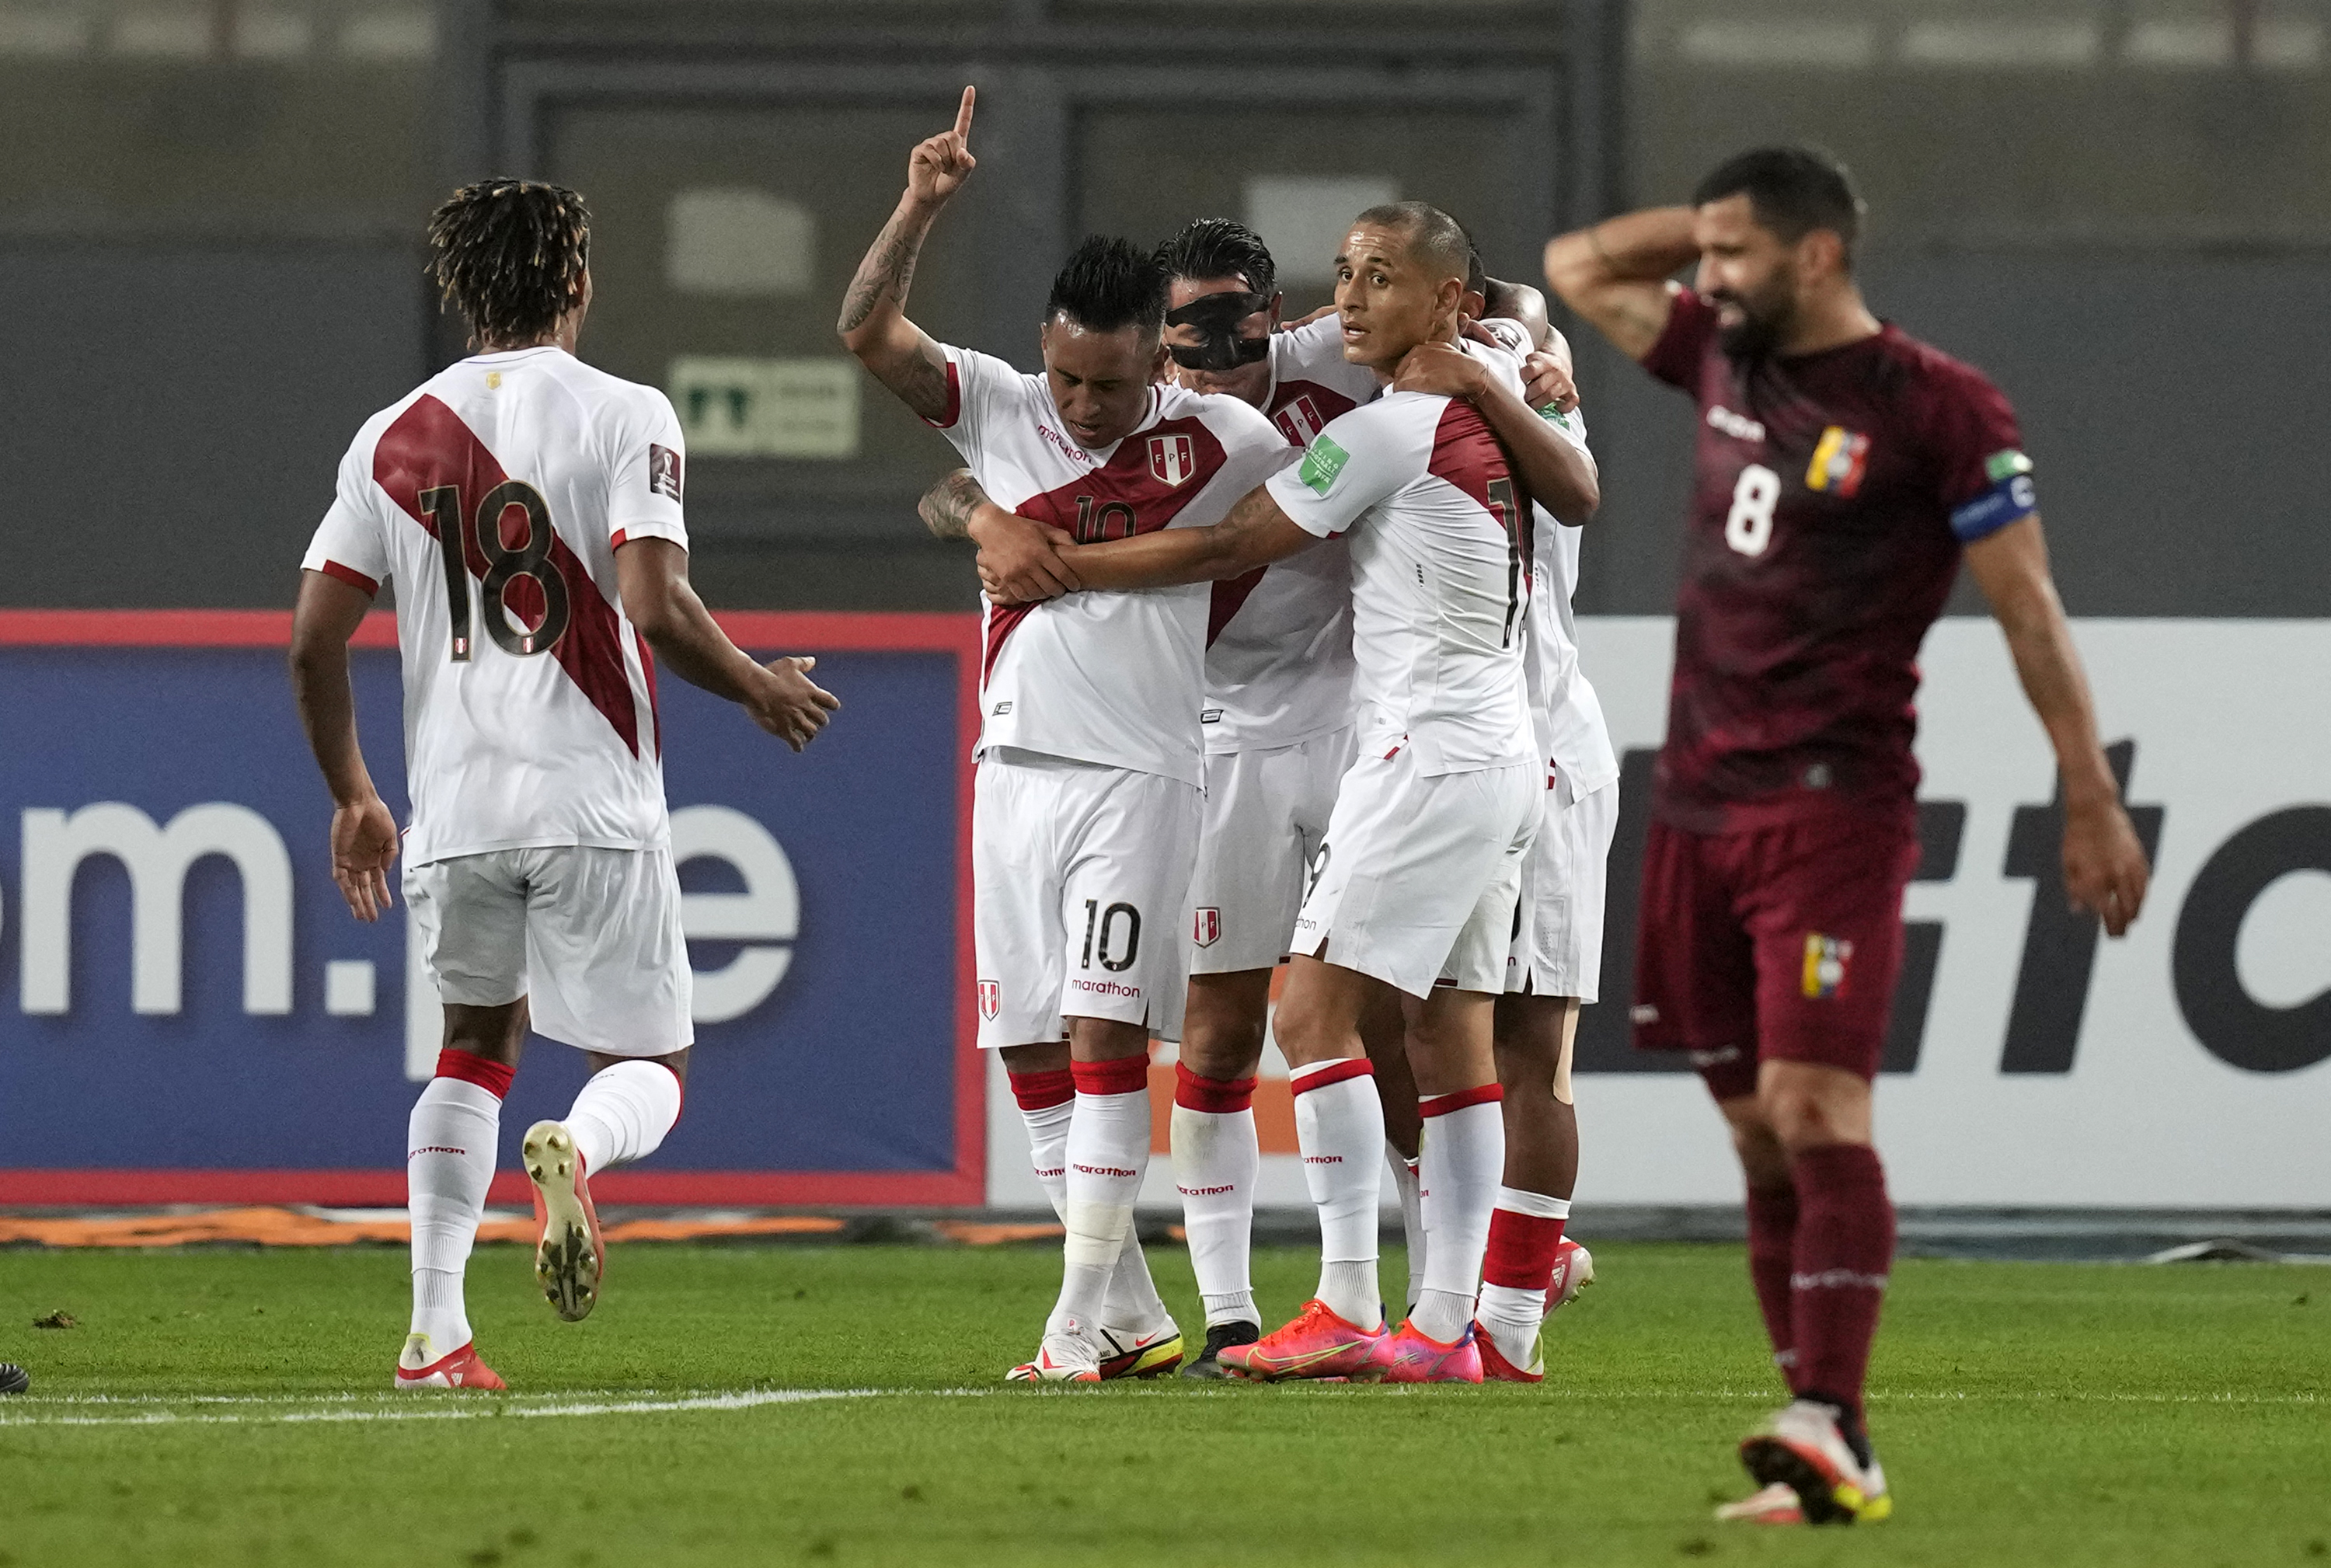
(1832, 495)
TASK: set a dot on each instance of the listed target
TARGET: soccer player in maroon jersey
(1842, 471)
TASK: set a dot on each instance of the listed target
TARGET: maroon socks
(1844, 1247)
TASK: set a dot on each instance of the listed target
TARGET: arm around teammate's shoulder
(661, 604)
(1615, 273)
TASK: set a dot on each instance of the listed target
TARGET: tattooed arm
(874, 325)
(1016, 551)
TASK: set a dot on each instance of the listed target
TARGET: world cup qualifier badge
(991, 999)
(1825, 961)
(1206, 927)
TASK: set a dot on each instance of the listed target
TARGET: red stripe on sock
(1522, 1251)
(1349, 1067)
(1041, 1091)
(1125, 1075)
(492, 1076)
(1214, 1096)
(1441, 1104)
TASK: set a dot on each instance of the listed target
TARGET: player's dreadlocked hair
(1435, 239)
(1107, 284)
(1218, 248)
(511, 255)
(1792, 191)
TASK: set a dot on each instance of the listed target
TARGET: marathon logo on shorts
(1839, 460)
(1172, 458)
(990, 1000)
(1825, 961)
(663, 470)
(1206, 927)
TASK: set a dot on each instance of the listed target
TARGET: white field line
(83, 1411)
(268, 1410)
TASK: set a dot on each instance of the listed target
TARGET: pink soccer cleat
(1411, 1356)
(1317, 1344)
(462, 1369)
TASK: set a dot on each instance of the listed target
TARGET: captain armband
(2010, 500)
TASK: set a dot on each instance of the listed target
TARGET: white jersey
(1570, 728)
(1439, 589)
(1279, 649)
(1116, 678)
(1573, 733)
(529, 701)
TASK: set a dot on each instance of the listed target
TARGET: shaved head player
(1843, 469)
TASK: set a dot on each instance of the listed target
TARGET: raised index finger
(963, 112)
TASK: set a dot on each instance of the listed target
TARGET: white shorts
(591, 937)
(1266, 817)
(1557, 950)
(1078, 875)
(1420, 879)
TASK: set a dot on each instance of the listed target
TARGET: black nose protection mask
(1216, 317)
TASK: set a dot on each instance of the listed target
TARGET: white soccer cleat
(569, 1260)
(1774, 1505)
(1071, 1356)
(1132, 1353)
(1574, 1271)
(1801, 1448)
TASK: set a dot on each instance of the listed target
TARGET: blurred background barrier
(211, 211)
(189, 1013)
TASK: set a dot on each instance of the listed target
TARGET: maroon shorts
(1779, 942)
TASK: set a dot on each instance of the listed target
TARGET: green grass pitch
(226, 1407)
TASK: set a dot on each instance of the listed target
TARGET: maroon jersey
(1832, 494)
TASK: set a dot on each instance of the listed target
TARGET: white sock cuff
(1536, 1206)
(460, 1093)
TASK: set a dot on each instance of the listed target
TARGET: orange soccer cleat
(1317, 1344)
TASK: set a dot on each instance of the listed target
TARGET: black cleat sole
(1769, 1459)
(14, 1379)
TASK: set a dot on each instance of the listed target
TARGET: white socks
(449, 1163)
(1511, 1314)
(1108, 1155)
(1459, 1164)
(1047, 1106)
(1340, 1127)
(1216, 1159)
(1412, 1217)
(622, 1113)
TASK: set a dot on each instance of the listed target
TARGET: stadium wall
(188, 1014)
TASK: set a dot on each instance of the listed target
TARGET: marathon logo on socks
(1825, 961)
(1206, 927)
(1839, 461)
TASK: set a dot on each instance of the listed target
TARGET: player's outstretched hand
(364, 842)
(1439, 370)
(1018, 561)
(2105, 872)
(938, 167)
(1545, 382)
(789, 705)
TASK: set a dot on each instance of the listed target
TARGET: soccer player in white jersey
(1531, 1268)
(1086, 804)
(1415, 888)
(1278, 724)
(528, 508)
